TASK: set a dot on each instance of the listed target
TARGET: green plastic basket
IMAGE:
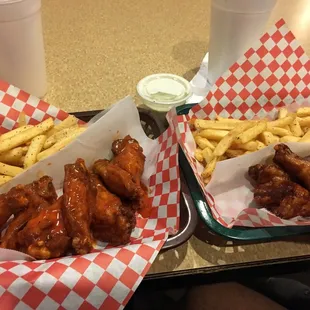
(237, 233)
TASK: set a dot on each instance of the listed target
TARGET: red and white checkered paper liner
(103, 279)
(275, 72)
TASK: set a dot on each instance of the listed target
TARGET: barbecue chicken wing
(76, 206)
(32, 198)
(293, 164)
(276, 192)
(112, 221)
(45, 236)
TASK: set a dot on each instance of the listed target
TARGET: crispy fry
(207, 180)
(249, 146)
(304, 121)
(289, 139)
(213, 134)
(203, 143)
(4, 179)
(14, 132)
(207, 154)
(58, 146)
(209, 168)
(302, 112)
(10, 170)
(278, 131)
(306, 137)
(260, 145)
(280, 122)
(217, 124)
(227, 141)
(251, 133)
(282, 113)
(59, 135)
(295, 128)
(198, 155)
(268, 138)
(22, 119)
(68, 122)
(27, 135)
(12, 157)
(34, 149)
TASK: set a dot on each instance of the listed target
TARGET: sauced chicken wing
(76, 206)
(32, 197)
(112, 221)
(45, 236)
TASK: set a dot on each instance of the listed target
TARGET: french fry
(282, 113)
(306, 137)
(22, 119)
(14, 132)
(4, 179)
(207, 154)
(302, 112)
(278, 131)
(198, 155)
(68, 122)
(268, 138)
(209, 168)
(12, 157)
(25, 136)
(251, 133)
(217, 124)
(207, 180)
(260, 145)
(227, 141)
(234, 153)
(280, 122)
(34, 149)
(249, 146)
(290, 139)
(203, 143)
(248, 152)
(58, 146)
(295, 128)
(59, 135)
(213, 134)
(9, 170)
(304, 121)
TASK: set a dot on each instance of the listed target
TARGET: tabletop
(97, 51)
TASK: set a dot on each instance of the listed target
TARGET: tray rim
(245, 234)
(183, 234)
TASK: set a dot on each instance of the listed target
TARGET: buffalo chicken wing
(45, 236)
(112, 220)
(76, 206)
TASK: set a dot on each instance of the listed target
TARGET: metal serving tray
(237, 233)
(153, 127)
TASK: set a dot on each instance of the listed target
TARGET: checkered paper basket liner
(275, 72)
(104, 279)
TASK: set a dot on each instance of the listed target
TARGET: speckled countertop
(98, 50)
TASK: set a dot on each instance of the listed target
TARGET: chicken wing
(293, 164)
(112, 221)
(76, 206)
(32, 197)
(129, 156)
(116, 179)
(45, 236)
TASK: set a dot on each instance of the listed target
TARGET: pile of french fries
(22, 147)
(225, 138)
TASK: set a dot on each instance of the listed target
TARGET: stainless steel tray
(153, 127)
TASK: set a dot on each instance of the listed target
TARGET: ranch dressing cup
(22, 59)
(161, 92)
